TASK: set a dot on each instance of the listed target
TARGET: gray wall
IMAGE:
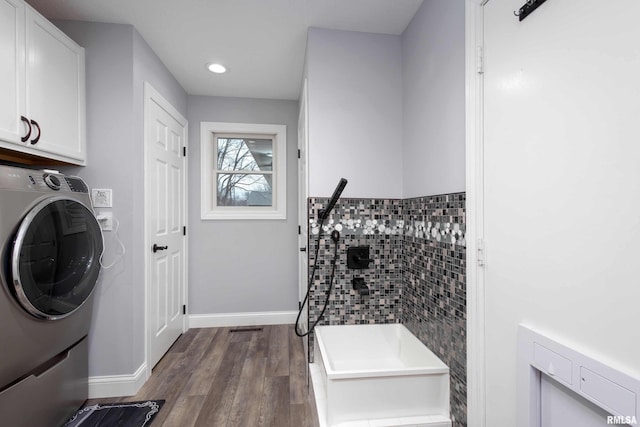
(388, 112)
(355, 113)
(244, 265)
(117, 63)
(433, 93)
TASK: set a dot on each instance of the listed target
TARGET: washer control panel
(76, 184)
(14, 178)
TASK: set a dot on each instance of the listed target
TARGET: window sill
(242, 215)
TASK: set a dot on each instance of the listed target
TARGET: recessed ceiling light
(217, 68)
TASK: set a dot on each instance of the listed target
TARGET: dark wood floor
(217, 377)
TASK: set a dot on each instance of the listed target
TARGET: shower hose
(335, 236)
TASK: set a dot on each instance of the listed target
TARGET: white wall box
(614, 394)
(42, 79)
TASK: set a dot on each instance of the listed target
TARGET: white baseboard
(117, 385)
(242, 319)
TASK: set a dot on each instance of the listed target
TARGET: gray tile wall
(355, 219)
(434, 289)
(417, 277)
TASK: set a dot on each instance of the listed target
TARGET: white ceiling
(261, 41)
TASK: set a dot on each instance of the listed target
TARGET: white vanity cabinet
(42, 111)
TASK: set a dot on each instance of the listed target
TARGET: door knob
(157, 248)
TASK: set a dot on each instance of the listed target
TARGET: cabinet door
(55, 94)
(11, 70)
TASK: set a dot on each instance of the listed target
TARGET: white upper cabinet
(12, 70)
(44, 78)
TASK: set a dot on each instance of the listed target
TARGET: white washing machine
(50, 249)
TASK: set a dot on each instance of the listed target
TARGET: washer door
(56, 258)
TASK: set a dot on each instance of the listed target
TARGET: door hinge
(184, 151)
(299, 230)
(479, 60)
(299, 154)
(184, 309)
(480, 253)
(184, 230)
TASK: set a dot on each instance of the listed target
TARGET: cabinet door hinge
(299, 230)
(184, 151)
(184, 309)
(299, 154)
(184, 230)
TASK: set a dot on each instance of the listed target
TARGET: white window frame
(208, 208)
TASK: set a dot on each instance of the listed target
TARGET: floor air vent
(245, 330)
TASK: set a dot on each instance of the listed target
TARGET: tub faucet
(360, 286)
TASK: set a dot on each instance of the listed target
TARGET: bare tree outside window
(244, 171)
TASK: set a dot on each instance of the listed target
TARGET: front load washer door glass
(55, 260)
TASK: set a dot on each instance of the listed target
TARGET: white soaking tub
(378, 375)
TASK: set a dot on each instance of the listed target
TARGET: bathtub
(377, 375)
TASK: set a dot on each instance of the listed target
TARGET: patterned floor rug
(128, 414)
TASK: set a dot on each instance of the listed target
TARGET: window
(243, 171)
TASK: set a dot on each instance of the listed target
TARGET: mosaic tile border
(446, 232)
(358, 226)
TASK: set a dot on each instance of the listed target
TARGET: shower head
(324, 213)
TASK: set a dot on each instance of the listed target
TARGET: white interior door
(303, 271)
(165, 172)
(561, 109)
